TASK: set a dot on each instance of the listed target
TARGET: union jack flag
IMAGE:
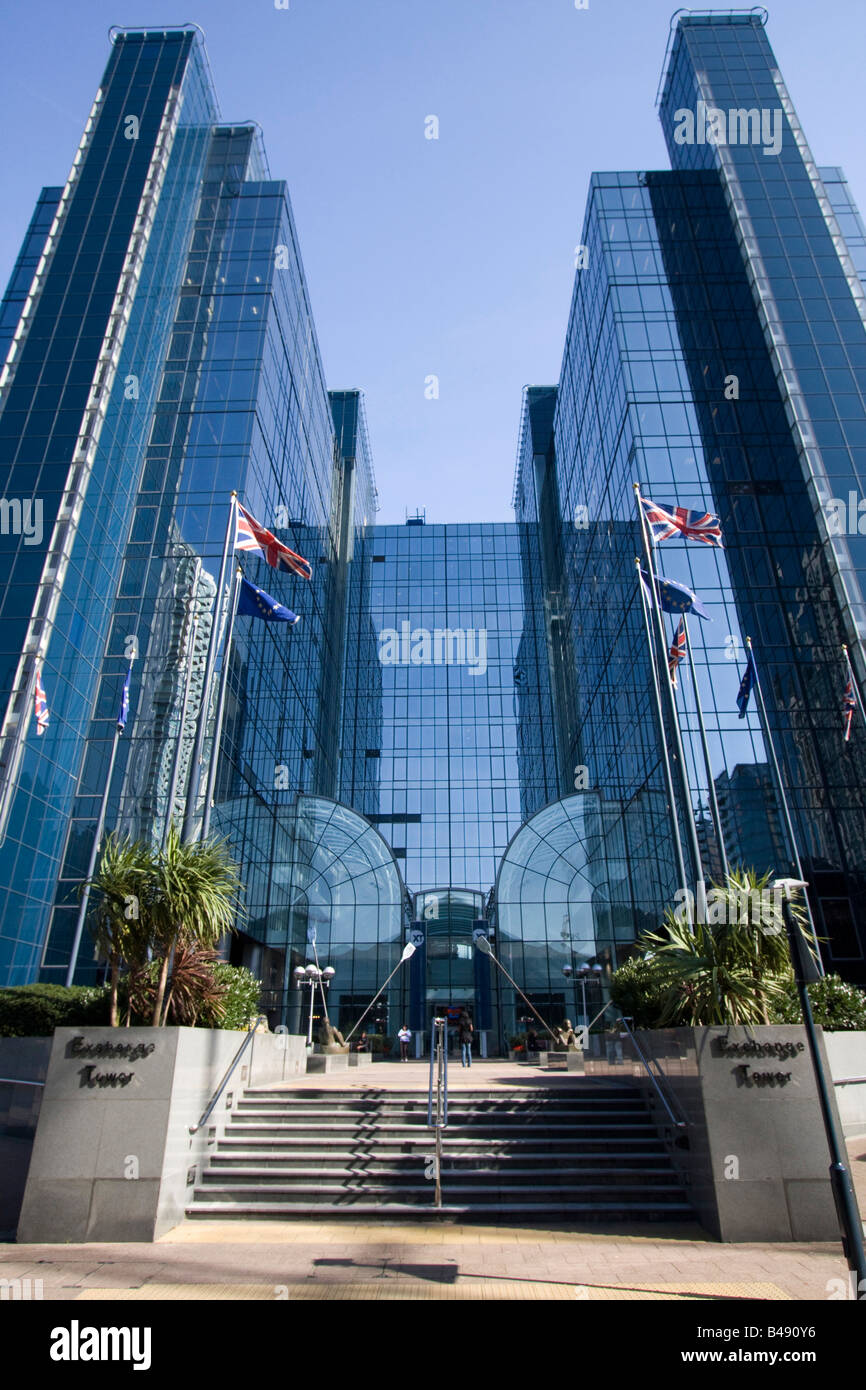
(677, 651)
(41, 706)
(251, 535)
(849, 704)
(665, 522)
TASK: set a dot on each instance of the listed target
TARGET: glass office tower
(78, 389)
(461, 735)
(180, 315)
(715, 356)
(784, 455)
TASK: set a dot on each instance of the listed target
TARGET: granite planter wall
(753, 1152)
(113, 1158)
(847, 1054)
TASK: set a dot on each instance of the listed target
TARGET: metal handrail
(439, 1054)
(679, 1124)
(16, 1081)
(260, 1018)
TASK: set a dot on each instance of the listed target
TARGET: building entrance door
(446, 920)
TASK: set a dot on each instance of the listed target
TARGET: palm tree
(753, 930)
(192, 899)
(116, 920)
(731, 968)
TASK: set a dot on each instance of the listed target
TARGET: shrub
(203, 991)
(240, 998)
(34, 1011)
(836, 1005)
(640, 990)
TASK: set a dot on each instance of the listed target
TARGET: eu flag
(123, 713)
(675, 598)
(746, 686)
(255, 603)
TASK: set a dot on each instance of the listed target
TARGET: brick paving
(335, 1260)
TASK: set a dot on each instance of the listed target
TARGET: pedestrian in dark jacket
(464, 1033)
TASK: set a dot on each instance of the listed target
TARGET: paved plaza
(421, 1260)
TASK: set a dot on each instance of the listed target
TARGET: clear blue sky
(452, 257)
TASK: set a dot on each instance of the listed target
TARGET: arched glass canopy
(347, 892)
(552, 899)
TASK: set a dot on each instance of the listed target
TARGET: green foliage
(376, 1042)
(836, 1005)
(240, 997)
(115, 917)
(734, 968)
(191, 898)
(34, 1011)
(640, 990)
(175, 902)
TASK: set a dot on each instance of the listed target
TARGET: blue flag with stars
(675, 598)
(255, 603)
(746, 686)
(123, 712)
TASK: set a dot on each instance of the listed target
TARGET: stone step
(583, 1153)
(243, 1122)
(280, 1140)
(554, 1213)
(329, 1114)
(316, 1192)
(456, 1096)
(351, 1159)
(555, 1177)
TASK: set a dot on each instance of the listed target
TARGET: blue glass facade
(795, 439)
(461, 734)
(77, 390)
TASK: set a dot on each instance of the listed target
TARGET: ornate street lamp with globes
(312, 977)
(583, 973)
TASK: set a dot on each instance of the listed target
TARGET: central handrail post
(439, 1121)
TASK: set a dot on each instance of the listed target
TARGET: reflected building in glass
(460, 737)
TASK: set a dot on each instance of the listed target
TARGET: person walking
(404, 1038)
(464, 1033)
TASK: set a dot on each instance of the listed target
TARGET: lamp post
(805, 972)
(583, 973)
(313, 977)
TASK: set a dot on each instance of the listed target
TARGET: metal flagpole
(854, 682)
(714, 805)
(669, 783)
(221, 704)
(483, 945)
(408, 952)
(679, 755)
(783, 800)
(210, 665)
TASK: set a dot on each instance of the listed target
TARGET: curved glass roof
(340, 859)
(552, 881)
(346, 884)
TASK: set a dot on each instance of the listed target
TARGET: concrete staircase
(586, 1152)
